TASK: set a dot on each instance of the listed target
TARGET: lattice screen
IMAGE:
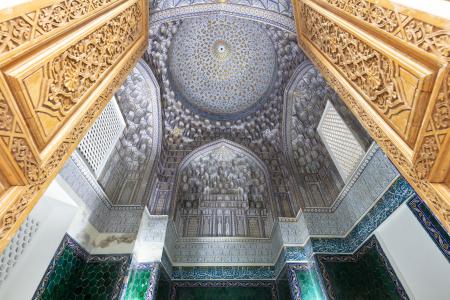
(16, 247)
(100, 140)
(340, 142)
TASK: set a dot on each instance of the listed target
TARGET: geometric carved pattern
(100, 140)
(16, 247)
(74, 47)
(15, 141)
(343, 147)
(436, 130)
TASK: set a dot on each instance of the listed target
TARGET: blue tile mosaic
(297, 254)
(225, 272)
(397, 194)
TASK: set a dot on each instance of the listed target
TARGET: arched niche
(305, 98)
(222, 189)
(128, 176)
(318, 181)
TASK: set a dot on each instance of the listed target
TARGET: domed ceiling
(255, 126)
(222, 67)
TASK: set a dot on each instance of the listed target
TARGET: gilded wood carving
(57, 72)
(395, 60)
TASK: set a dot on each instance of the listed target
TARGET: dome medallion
(223, 67)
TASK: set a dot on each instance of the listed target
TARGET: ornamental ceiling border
(200, 151)
(283, 7)
(233, 10)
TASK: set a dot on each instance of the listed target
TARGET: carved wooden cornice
(60, 63)
(390, 65)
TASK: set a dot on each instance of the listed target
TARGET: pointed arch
(228, 182)
(129, 174)
(317, 180)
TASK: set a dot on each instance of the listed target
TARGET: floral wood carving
(398, 28)
(370, 70)
(56, 87)
(120, 41)
(439, 207)
(74, 71)
(14, 32)
(36, 23)
(430, 38)
(423, 33)
(379, 78)
(6, 117)
(15, 140)
(50, 169)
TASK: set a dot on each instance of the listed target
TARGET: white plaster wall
(150, 238)
(89, 237)
(95, 242)
(55, 212)
(11, 3)
(340, 142)
(420, 266)
(440, 8)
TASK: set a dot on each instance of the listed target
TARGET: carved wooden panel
(390, 65)
(26, 25)
(60, 63)
(396, 86)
